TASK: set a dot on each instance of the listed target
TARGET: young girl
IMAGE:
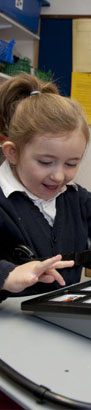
(43, 214)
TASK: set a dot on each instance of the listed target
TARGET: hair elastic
(35, 92)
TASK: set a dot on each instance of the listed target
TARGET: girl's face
(48, 163)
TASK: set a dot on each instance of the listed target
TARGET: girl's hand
(30, 273)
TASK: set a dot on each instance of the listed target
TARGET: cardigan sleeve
(5, 268)
(86, 210)
(85, 207)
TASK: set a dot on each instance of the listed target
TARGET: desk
(44, 353)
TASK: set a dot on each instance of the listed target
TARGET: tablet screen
(67, 298)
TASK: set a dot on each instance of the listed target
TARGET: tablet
(68, 307)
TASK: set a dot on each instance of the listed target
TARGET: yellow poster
(81, 41)
(81, 91)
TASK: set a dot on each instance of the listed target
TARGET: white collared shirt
(10, 184)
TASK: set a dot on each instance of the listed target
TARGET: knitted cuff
(5, 268)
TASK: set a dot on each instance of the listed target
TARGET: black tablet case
(63, 308)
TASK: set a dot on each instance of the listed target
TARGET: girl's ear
(10, 152)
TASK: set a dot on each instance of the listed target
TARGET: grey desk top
(44, 353)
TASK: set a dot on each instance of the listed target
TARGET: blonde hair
(23, 116)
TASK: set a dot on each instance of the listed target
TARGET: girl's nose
(57, 175)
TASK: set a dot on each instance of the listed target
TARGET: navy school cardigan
(22, 223)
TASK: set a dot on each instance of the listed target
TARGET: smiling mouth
(51, 187)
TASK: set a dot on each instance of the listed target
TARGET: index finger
(48, 263)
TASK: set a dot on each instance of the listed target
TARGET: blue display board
(55, 50)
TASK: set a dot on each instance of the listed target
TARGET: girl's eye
(71, 165)
(45, 163)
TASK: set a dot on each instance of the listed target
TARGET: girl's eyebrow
(74, 159)
(53, 156)
(47, 155)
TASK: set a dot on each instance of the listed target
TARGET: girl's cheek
(70, 175)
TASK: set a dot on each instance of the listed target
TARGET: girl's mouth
(51, 187)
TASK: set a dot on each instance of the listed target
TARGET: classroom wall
(68, 7)
(25, 49)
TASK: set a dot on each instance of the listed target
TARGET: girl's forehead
(63, 141)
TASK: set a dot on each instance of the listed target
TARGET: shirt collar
(10, 184)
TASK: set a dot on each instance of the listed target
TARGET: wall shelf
(14, 30)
